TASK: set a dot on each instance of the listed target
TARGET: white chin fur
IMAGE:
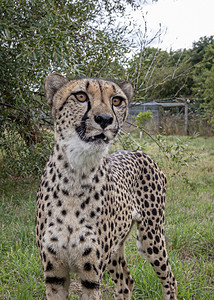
(82, 154)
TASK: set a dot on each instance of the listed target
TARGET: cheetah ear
(52, 84)
(127, 88)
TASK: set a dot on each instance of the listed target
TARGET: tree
(158, 74)
(76, 38)
(204, 81)
(199, 48)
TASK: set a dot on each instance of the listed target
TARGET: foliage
(177, 154)
(204, 81)
(158, 74)
(40, 37)
(199, 49)
(21, 159)
(83, 38)
(142, 117)
(129, 143)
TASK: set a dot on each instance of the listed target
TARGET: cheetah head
(89, 111)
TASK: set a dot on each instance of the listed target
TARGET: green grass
(20, 270)
(189, 229)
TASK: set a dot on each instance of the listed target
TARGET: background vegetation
(97, 38)
(86, 38)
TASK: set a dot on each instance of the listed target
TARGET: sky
(182, 22)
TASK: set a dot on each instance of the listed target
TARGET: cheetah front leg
(120, 274)
(90, 270)
(91, 289)
(56, 279)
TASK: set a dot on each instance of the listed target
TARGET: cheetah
(88, 201)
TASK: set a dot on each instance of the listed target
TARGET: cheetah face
(91, 110)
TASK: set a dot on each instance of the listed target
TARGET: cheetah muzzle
(88, 201)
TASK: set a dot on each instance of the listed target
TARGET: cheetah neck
(78, 160)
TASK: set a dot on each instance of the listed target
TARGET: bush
(20, 159)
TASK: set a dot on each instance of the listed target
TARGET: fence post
(186, 118)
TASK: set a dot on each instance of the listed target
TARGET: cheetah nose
(103, 120)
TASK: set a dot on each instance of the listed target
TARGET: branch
(147, 73)
(160, 146)
(12, 106)
(123, 130)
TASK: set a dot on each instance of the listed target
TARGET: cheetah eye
(116, 101)
(81, 96)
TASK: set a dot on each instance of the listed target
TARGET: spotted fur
(88, 201)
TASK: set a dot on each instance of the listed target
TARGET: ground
(189, 230)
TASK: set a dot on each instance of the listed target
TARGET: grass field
(189, 230)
